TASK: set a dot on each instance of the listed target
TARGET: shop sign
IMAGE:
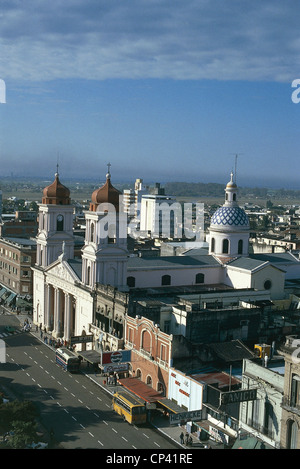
(238, 396)
(81, 339)
(119, 356)
(189, 415)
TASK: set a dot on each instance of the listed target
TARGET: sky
(163, 90)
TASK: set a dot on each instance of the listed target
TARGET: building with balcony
(290, 424)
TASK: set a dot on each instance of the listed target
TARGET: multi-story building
(262, 416)
(290, 423)
(17, 256)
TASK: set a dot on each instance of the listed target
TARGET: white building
(64, 287)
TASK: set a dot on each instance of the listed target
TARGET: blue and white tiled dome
(230, 217)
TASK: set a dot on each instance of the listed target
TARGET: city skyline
(164, 91)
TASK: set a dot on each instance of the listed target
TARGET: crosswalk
(8, 334)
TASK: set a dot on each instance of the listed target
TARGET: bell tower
(104, 255)
(55, 224)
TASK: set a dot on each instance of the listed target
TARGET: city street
(75, 408)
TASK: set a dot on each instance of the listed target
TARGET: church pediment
(62, 270)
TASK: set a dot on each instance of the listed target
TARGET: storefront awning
(10, 298)
(2, 291)
(170, 405)
(140, 389)
(250, 443)
(91, 356)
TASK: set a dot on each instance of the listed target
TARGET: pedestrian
(186, 438)
(182, 438)
(190, 442)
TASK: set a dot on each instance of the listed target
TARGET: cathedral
(65, 286)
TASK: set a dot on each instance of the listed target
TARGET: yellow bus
(129, 407)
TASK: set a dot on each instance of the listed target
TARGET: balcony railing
(289, 405)
(114, 343)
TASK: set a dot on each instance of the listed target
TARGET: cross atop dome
(108, 171)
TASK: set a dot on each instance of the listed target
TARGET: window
(240, 247)
(295, 390)
(200, 278)
(59, 223)
(92, 232)
(131, 282)
(166, 280)
(212, 246)
(267, 285)
(225, 246)
(292, 434)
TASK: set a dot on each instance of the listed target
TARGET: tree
(24, 433)
(16, 411)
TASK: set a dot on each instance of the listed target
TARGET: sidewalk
(159, 421)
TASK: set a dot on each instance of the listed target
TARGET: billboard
(119, 356)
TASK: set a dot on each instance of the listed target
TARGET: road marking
(81, 425)
(66, 388)
(66, 411)
(91, 434)
(100, 443)
(73, 394)
(145, 435)
(156, 444)
(124, 438)
(80, 401)
(105, 422)
(96, 414)
(88, 408)
(114, 430)
(58, 404)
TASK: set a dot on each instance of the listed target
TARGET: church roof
(232, 217)
(171, 262)
(107, 194)
(56, 193)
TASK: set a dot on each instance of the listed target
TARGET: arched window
(240, 247)
(212, 245)
(146, 341)
(88, 275)
(92, 232)
(131, 282)
(225, 249)
(59, 223)
(166, 280)
(199, 278)
(292, 434)
(234, 197)
(149, 380)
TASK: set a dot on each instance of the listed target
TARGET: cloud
(177, 39)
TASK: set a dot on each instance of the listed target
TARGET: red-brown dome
(107, 194)
(56, 193)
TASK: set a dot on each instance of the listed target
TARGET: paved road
(76, 408)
